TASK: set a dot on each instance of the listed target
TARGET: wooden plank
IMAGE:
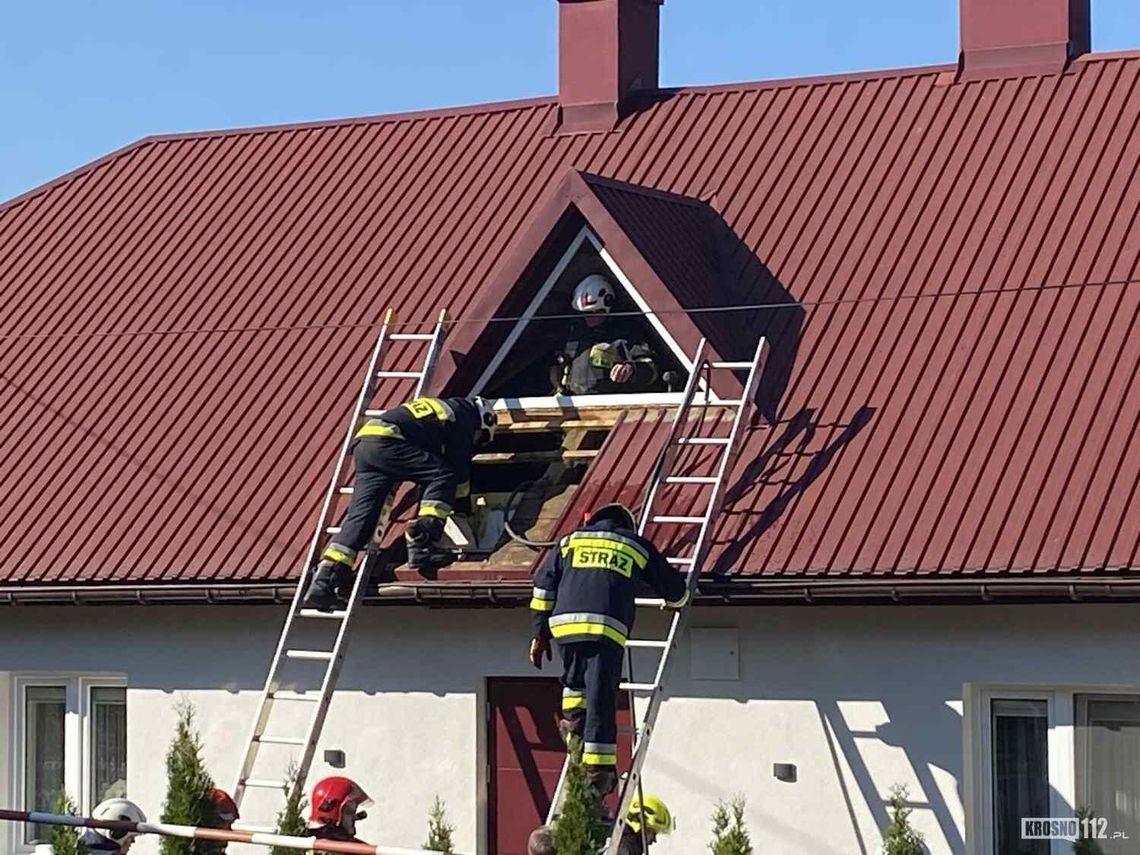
(532, 456)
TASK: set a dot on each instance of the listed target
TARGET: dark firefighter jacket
(590, 353)
(585, 587)
(445, 427)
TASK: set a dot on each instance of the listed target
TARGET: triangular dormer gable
(668, 253)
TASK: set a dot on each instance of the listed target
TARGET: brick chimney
(607, 53)
(1007, 38)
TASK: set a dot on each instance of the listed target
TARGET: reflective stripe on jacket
(584, 589)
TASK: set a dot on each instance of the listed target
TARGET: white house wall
(857, 698)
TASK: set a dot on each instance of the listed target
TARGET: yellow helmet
(656, 813)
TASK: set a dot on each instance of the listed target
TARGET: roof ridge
(592, 178)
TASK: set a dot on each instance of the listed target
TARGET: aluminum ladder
(298, 617)
(652, 693)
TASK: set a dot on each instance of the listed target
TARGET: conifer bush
(580, 829)
(65, 839)
(291, 820)
(730, 834)
(439, 829)
(188, 787)
(1085, 845)
(898, 837)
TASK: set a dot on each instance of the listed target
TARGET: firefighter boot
(602, 780)
(332, 582)
(424, 552)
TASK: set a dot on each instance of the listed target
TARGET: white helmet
(118, 810)
(488, 421)
(595, 293)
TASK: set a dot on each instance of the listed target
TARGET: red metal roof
(958, 391)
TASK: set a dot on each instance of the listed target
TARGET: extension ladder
(299, 618)
(652, 693)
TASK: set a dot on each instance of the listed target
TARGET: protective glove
(539, 647)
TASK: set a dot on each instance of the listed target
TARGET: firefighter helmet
(615, 513)
(595, 293)
(488, 421)
(225, 808)
(655, 812)
(119, 810)
(337, 801)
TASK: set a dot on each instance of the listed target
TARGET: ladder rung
(315, 655)
(281, 740)
(345, 491)
(332, 529)
(295, 696)
(704, 440)
(732, 366)
(265, 784)
(319, 615)
(649, 602)
(681, 561)
(683, 520)
(731, 402)
(691, 479)
(659, 645)
(399, 375)
(405, 336)
(639, 688)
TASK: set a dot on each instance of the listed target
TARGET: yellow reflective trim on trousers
(334, 554)
(573, 703)
(599, 759)
(379, 429)
(542, 605)
(564, 629)
(432, 509)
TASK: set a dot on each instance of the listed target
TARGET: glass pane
(1021, 773)
(44, 713)
(1108, 768)
(108, 743)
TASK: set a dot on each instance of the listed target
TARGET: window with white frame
(1052, 752)
(70, 736)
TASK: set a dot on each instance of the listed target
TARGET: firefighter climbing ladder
(341, 620)
(712, 485)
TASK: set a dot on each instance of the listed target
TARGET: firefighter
(113, 810)
(584, 599)
(603, 355)
(427, 440)
(226, 813)
(657, 819)
(336, 808)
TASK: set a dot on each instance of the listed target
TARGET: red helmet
(224, 807)
(337, 801)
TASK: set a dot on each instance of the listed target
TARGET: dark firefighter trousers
(591, 672)
(380, 465)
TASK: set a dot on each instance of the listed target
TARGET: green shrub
(65, 839)
(730, 835)
(898, 837)
(188, 788)
(291, 820)
(1084, 845)
(439, 829)
(580, 828)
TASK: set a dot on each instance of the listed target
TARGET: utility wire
(459, 320)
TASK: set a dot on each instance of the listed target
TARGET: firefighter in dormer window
(603, 355)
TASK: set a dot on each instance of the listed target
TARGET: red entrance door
(526, 755)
